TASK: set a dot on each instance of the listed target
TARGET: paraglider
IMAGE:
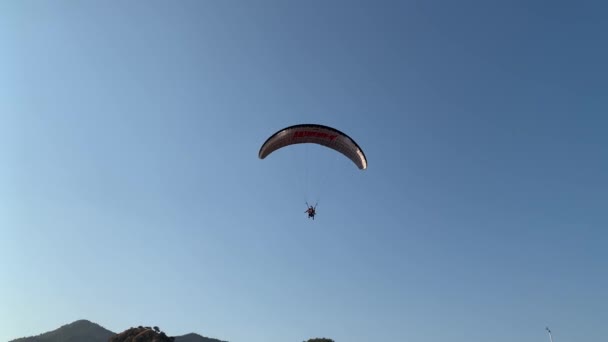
(312, 211)
(315, 134)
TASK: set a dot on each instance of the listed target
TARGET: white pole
(550, 336)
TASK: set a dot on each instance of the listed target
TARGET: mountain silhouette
(192, 337)
(78, 331)
(142, 334)
(87, 331)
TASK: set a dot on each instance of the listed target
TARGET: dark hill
(86, 331)
(195, 338)
(141, 335)
(147, 334)
(78, 331)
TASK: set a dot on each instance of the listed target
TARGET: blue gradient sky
(131, 192)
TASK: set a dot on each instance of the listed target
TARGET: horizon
(132, 191)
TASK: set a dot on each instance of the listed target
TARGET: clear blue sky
(131, 192)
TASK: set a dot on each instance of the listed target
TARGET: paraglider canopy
(315, 134)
